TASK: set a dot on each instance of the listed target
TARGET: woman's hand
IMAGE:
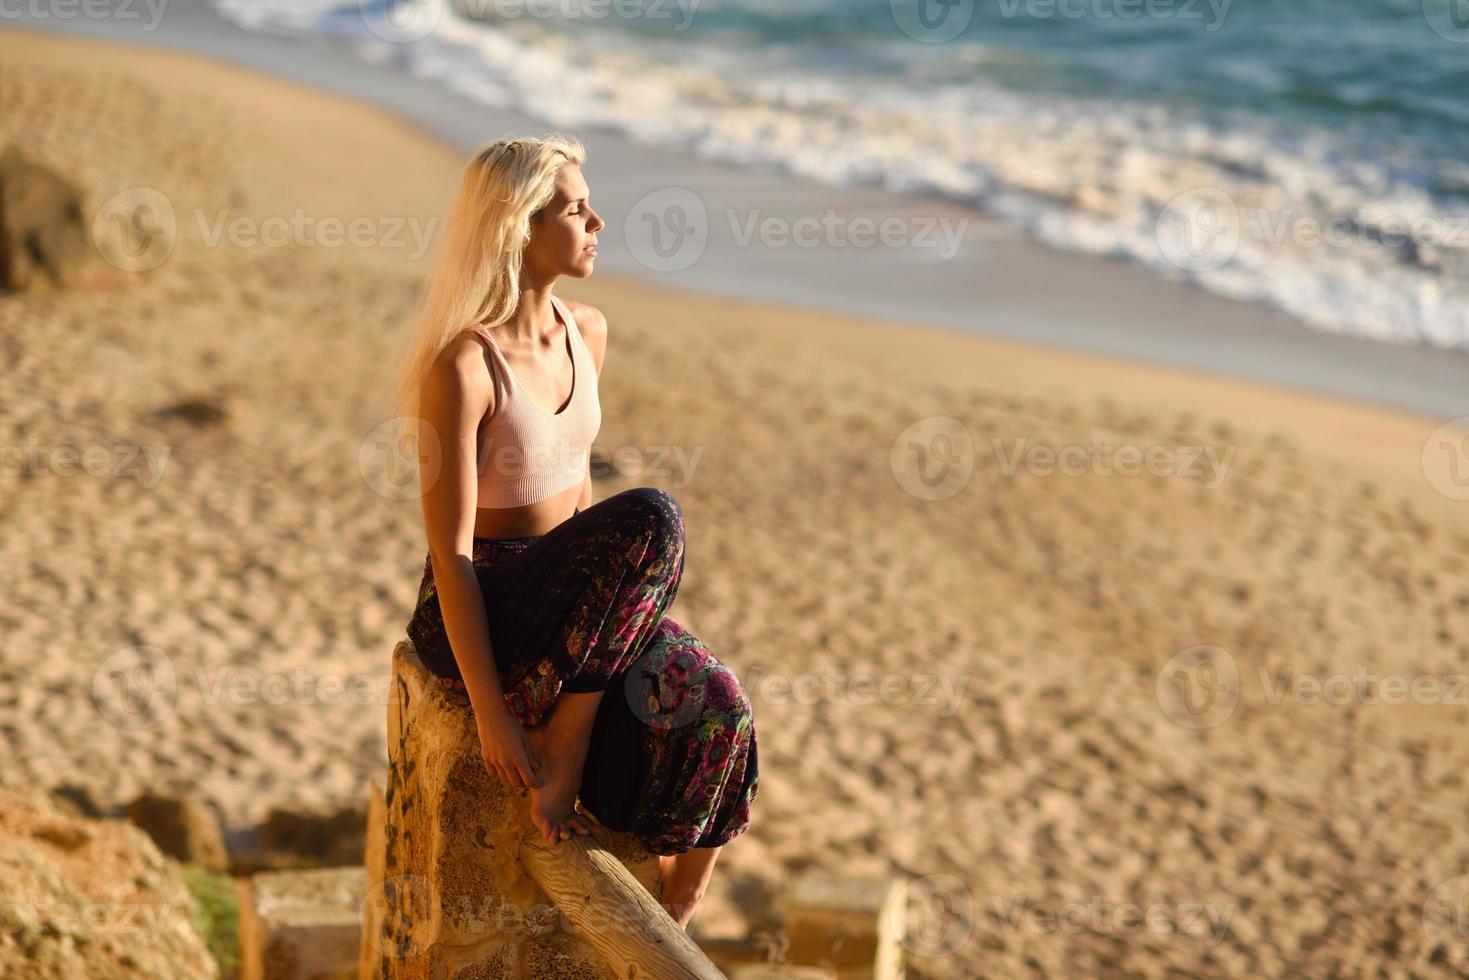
(507, 751)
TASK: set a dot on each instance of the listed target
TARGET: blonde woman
(548, 609)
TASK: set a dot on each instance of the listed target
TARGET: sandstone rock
(182, 828)
(453, 874)
(77, 800)
(90, 900)
(330, 839)
(301, 925)
(44, 233)
(852, 924)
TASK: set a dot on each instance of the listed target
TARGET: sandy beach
(965, 581)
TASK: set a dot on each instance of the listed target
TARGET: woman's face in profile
(564, 235)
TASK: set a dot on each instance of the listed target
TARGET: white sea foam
(1245, 207)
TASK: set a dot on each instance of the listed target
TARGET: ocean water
(1308, 155)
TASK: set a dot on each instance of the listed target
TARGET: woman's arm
(456, 395)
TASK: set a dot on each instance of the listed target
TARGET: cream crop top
(527, 454)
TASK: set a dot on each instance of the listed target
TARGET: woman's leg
(571, 613)
(674, 760)
(684, 879)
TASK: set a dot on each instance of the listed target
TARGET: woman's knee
(694, 690)
(725, 701)
(650, 507)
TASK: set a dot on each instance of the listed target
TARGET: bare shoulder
(460, 377)
(593, 326)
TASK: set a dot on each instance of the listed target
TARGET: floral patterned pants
(581, 608)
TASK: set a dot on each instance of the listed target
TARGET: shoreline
(269, 567)
(1003, 285)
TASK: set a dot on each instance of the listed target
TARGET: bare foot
(683, 879)
(560, 743)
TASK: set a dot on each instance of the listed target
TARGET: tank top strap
(567, 317)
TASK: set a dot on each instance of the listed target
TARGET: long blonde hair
(475, 277)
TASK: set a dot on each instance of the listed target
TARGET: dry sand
(1322, 838)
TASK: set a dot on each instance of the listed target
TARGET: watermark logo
(1446, 459)
(666, 689)
(401, 21)
(135, 229)
(667, 230)
(145, 464)
(405, 910)
(302, 230)
(1099, 916)
(147, 922)
(832, 229)
(1198, 230)
(1448, 18)
(135, 687)
(939, 910)
(1100, 458)
(933, 458)
(396, 454)
(1445, 913)
(87, 9)
(680, 11)
(932, 21)
(1199, 687)
(1362, 686)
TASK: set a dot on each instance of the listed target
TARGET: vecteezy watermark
(144, 922)
(135, 687)
(1446, 459)
(1210, 13)
(932, 21)
(939, 914)
(669, 687)
(1201, 229)
(933, 458)
(135, 229)
(302, 230)
(1445, 913)
(1361, 686)
(406, 906)
(935, 21)
(1099, 916)
(1199, 687)
(85, 9)
(299, 686)
(1448, 18)
(142, 463)
(401, 914)
(676, 464)
(138, 687)
(832, 229)
(401, 21)
(843, 687)
(680, 12)
(669, 229)
(1098, 458)
(401, 458)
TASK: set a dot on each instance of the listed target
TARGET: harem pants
(581, 608)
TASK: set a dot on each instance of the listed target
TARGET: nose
(597, 224)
